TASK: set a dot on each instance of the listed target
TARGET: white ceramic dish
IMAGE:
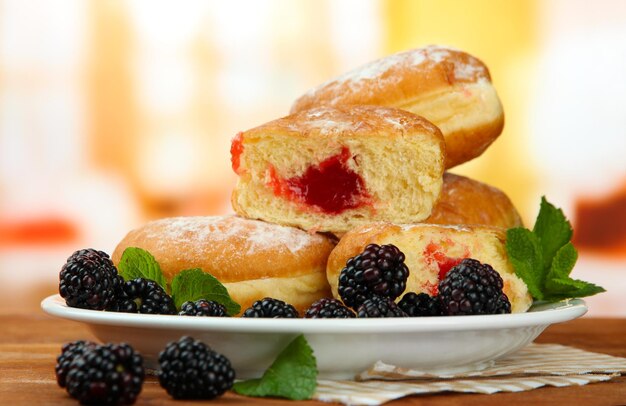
(342, 347)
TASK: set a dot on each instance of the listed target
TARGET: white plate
(343, 348)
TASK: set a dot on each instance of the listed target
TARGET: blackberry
(504, 305)
(328, 309)
(472, 288)
(69, 351)
(148, 297)
(88, 280)
(272, 309)
(107, 374)
(420, 305)
(378, 270)
(203, 307)
(378, 306)
(122, 302)
(189, 369)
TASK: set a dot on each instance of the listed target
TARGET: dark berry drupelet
(272, 309)
(378, 270)
(328, 309)
(122, 303)
(420, 305)
(189, 369)
(88, 280)
(145, 296)
(378, 306)
(106, 375)
(69, 351)
(504, 305)
(472, 288)
(203, 307)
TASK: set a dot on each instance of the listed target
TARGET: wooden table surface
(30, 343)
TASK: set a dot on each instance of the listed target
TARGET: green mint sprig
(544, 257)
(193, 284)
(293, 375)
(189, 284)
(139, 263)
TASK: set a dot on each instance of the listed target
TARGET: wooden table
(30, 343)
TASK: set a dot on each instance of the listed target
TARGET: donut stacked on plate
(361, 157)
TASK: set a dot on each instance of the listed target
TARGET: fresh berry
(472, 288)
(272, 309)
(148, 297)
(88, 280)
(189, 369)
(122, 302)
(69, 351)
(420, 305)
(203, 307)
(378, 306)
(378, 270)
(106, 375)
(328, 309)
(504, 305)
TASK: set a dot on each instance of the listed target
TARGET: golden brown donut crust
(349, 121)
(230, 248)
(467, 201)
(405, 80)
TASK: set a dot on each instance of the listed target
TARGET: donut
(450, 88)
(430, 251)
(252, 259)
(467, 201)
(332, 169)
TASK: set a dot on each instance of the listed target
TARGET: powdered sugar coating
(253, 235)
(461, 66)
(353, 119)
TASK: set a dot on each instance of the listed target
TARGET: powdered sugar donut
(450, 88)
(253, 259)
(332, 169)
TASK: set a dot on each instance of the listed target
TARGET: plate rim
(557, 312)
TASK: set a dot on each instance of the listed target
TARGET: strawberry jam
(433, 252)
(236, 148)
(331, 186)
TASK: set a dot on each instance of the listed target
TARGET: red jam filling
(434, 253)
(236, 148)
(331, 186)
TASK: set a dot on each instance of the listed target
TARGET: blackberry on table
(88, 280)
(147, 296)
(378, 270)
(420, 305)
(106, 375)
(378, 306)
(472, 288)
(69, 351)
(203, 307)
(328, 309)
(189, 369)
(271, 308)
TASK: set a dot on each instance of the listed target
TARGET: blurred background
(113, 113)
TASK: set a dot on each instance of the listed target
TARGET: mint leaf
(559, 289)
(193, 284)
(525, 253)
(558, 283)
(553, 229)
(544, 258)
(563, 262)
(293, 375)
(139, 263)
